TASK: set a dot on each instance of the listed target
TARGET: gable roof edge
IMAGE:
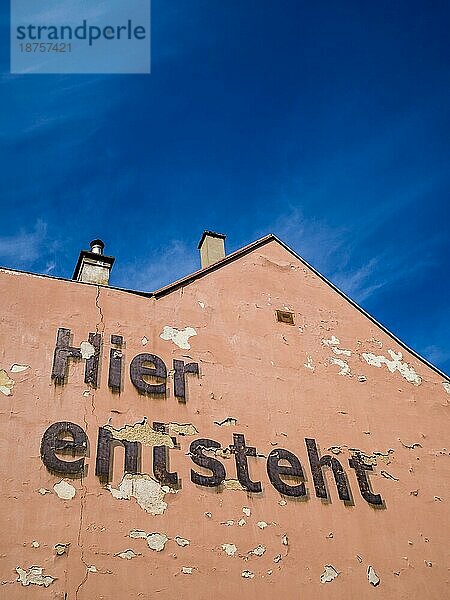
(262, 242)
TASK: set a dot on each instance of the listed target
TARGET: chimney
(212, 248)
(93, 266)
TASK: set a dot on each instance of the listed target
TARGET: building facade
(246, 432)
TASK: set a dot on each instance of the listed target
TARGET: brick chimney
(212, 248)
(93, 266)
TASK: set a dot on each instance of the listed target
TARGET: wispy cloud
(162, 267)
(24, 247)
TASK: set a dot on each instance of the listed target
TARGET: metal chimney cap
(97, 246)
(212, 234)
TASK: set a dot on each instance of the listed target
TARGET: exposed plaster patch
(285, 540)
(309, 363)
(262, 524)
(233, 484)
(6, 383)
(86, 393)
(144, 341)
(372, 459)
(247, 512)
(179, 337)
(157, 541)
(410, 446)
(362, 378)
(148, 492)
(136, 534)
(141, 432)
(345, 369)
(277, 558)
(201, 304)
(282, 502)
(247, 574)
(182, 541)
(229, 549)
(388, 475)
(227, 422)
(329, 574)
(258, 551)
(127, 554)
(35, 544)
(61, 548)
(336, 449)
(242, 522)
(372, 576)
(64, 490)
(18, 368)
(446, 385)
(182, 428)
(43, 491)
(34, 576)
(186, 570)
(92, 569)
(208, 515)
(87, 350)
(333, 341)
(393, 365)
(229, 523)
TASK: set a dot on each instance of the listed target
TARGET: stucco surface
(276, 384)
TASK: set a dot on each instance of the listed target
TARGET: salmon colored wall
(281, 384)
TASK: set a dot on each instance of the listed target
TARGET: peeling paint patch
(344, 367)
(141, 432)
(34, 576)
(6, 383)
(329, 574)
(157, 541)
(242, 522)
(61, 549)
(233, 484)
(64, 490)
(372, 459)
(86, 393)
(92, 569)
(136, 534)
(388, 475)
(35, 544)
(285, 540)
(309, 364)
(446, 385)
(333, 341)
(372, 576)
(182, 541)
(277, 558)
(229, 549)
(127, 554)
(247, 512)
(227, 422)
(362, 378)
(262, 524)
(282, 502)
(393, 365)
(144, 341)
(247, 574)
(43, 491)
(87, 350)
(186, 570)
(179, 337)
(148, 492)
(229, 523)
(201, 304)
(182, 428)
(15, 368)
(258, 551)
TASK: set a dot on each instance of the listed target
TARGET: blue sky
(325, 123)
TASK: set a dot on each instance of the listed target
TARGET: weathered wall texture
(333, 376)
